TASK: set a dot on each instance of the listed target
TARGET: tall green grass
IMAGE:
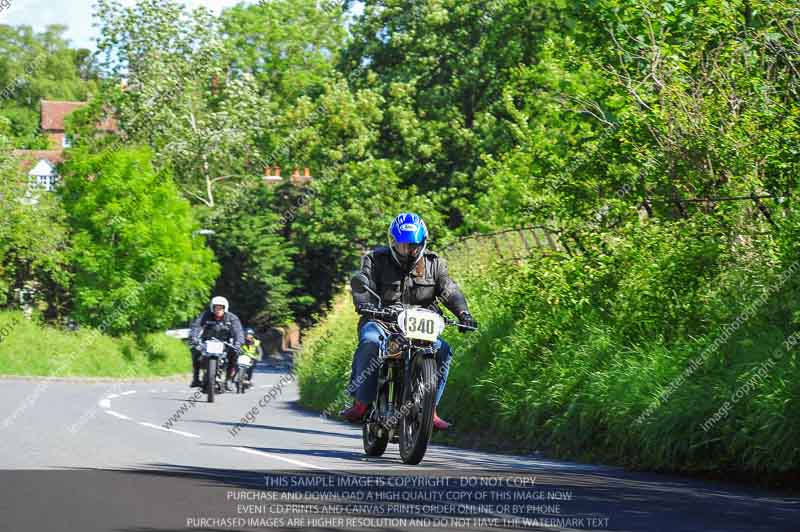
(574, 350)
(31, 349)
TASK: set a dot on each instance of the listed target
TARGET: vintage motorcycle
(407, 377)
(214, 366)
(243, 364)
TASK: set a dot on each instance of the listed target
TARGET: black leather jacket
(228, 329)
(422, 286)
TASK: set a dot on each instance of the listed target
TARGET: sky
(77, 15)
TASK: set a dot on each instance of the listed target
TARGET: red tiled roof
(29, 158)
(54, 113)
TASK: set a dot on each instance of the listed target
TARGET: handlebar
(448, 321)
(385, 314)
(391, 313)
(232, 346)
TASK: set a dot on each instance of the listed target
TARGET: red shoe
(439, 423)
(355, 413)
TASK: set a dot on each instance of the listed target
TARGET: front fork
(394, 381)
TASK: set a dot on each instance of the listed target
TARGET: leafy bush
(138, 264)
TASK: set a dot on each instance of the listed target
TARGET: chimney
(305, 172)
(270, 174)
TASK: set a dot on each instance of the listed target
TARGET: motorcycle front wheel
(211, 379)
(416, 425)
(239, 378)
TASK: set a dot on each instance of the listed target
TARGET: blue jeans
(366, 363)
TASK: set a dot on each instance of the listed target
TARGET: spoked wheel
(416, 425)
(237, 380)
(374, 444)
(211, 379)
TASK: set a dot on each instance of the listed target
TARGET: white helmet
(218, 300)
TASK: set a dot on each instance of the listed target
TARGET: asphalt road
(97, 456)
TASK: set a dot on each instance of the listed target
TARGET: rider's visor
(408, 249)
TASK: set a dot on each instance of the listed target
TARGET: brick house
(53, 122)
(41, 165)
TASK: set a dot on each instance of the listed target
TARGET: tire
(239, 382)
(211, 379)
(416, 427)
(374, 445)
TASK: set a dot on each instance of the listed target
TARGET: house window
(47, 182)
(66, 142)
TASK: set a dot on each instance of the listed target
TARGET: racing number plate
(214, 347)
(420, 324)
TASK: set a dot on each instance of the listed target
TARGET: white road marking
(128, 393)
(187, 434)
(105, 403)
(112, 396)
(276, 457)
(116, 414)
(153, 391)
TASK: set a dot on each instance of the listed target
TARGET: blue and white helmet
(408, 228)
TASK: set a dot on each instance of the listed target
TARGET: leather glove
(466, 319)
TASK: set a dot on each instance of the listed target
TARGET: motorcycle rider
(218, 323)
(252, 348)
(404, 272)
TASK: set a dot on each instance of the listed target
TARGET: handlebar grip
(377, 313)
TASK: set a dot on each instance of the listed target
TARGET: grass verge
(30, 349)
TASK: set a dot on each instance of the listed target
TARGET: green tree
(36, 66)
(289, 46)
(342, 215)
(255, 257)
(441, 66)
(180, 99)
(138, 262)
(40, 65)
(34, 244)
